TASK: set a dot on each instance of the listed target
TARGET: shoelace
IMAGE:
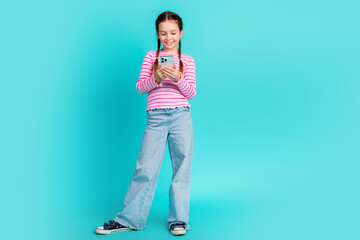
(112, 225)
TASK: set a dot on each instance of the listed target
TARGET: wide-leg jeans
(163, 124)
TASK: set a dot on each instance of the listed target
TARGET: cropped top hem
(188, 105)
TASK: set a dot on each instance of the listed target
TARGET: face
(169, 35)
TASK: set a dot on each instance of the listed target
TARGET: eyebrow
(170, 30)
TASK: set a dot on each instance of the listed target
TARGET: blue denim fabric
(164, 124)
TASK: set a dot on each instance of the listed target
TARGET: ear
(181, 33)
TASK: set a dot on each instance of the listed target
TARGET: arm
(146, 81)
(187, 83)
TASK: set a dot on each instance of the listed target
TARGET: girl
(168, 119)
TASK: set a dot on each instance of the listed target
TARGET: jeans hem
(127, 225)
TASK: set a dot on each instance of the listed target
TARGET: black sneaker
(177, 228)
(112, 227)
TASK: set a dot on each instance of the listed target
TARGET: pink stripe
(160, 104)
(162, 98)
(168, 91)
(165, 95)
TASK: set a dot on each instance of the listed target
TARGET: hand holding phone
(167, 69)
(159, 76)
(172, 73)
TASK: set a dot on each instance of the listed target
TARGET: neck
(173, 51)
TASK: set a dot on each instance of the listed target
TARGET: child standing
(168, 119)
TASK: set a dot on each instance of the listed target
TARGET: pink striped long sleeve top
(167, 94)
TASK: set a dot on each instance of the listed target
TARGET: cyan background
(276, 117)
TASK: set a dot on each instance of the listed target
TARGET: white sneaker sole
(100, 230)
(178, 232)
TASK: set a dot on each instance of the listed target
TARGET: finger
(169, 67)
(168, 75)
(168, 70)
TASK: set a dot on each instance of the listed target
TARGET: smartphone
(167, 60)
